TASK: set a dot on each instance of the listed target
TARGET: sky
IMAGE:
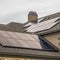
(17, 10)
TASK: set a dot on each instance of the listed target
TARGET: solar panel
(42, 25)
(14, 39)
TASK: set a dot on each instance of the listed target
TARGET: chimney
(32, 17)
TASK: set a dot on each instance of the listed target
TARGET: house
(39, 39)
(48, 27)
(24, 45)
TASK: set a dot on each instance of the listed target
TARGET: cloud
(17, 10)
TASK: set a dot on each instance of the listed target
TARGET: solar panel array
(44, 25)
(14, 39)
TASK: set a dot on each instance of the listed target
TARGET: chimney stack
(32, 17)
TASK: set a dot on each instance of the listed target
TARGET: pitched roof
(12, 26)
(44, 26)
(55, 15)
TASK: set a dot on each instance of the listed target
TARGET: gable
(53, 39)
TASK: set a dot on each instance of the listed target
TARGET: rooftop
(45, 25)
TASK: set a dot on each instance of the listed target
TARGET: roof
(43, 26)
(12, 26)
(23, 40)
(55, 15)
(13, 39)
(25, 45)
(28, 53)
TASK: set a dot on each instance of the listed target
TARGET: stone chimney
(32, 17)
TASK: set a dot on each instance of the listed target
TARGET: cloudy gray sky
(17, 10)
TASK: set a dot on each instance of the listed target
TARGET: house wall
(53, 38)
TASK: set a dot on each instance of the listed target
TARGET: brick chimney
(32, 17)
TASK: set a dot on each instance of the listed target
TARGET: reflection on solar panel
(14, 39)
(42, 25)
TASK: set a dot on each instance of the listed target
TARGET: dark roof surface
(13, 26)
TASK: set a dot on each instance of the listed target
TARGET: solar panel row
(42, 25)
(14, 39)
